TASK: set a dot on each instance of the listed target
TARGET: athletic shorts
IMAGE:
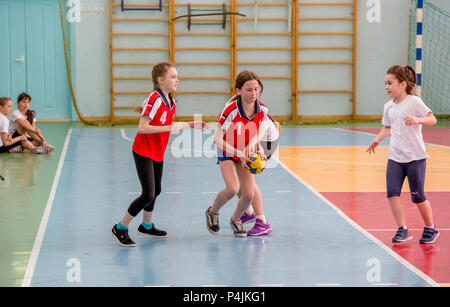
(221, 156)
(396, 174)
(16, 134)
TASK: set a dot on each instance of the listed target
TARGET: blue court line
(311, 244)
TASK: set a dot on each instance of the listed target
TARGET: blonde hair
(3, 100)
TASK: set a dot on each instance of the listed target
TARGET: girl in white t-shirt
(7, 143)
(23, 122)
(403, 117)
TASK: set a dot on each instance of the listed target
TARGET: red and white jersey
(238, 128)
(161, 112)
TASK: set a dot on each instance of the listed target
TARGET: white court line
(362, 230)
(43, 225)
(328, 285)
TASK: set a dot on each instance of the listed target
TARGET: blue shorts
(396, 174)
(221, 156)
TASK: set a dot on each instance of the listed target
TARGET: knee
(157, 192)
(232, 190)
(418, 197)
(147, 197)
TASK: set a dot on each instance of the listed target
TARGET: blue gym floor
(311, 243)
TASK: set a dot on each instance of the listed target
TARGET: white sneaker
(16, 149)
(40, 150)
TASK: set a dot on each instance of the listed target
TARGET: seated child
(17, 143)
(23, 122)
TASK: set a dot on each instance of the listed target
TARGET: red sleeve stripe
(148, 103)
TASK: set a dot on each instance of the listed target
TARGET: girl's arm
(145, 128)
(27, 126)
(7, 140)
(429, 120)
(199, 125)
(227, 148)
(384, 133)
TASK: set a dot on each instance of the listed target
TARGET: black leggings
(150, 174)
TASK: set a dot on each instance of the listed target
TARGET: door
(33, 60)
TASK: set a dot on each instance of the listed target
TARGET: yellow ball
(256, 164)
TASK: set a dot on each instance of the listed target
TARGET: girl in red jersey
(154, 128)
(236, 137)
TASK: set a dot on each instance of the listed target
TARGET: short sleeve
(385, 121)
(420, 107)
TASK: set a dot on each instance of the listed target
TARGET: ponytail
(31, 115)
(404, 73)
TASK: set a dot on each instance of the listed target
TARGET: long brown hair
(242, 77)
(30, 114)
(158, 71)
(404, 73)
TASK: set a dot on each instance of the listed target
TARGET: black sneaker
(152, 232)
(429, 235)
(122, 237)
(212, 222)
(401, 236)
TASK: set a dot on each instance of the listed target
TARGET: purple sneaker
(259, 228)
(248, 218)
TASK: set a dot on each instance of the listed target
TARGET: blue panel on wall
(12, 51)
(46, 72)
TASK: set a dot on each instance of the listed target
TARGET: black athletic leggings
(150, 174)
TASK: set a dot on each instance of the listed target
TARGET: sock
(147, 226)
(262, 218)
(431, 227)
(120, 226)
(249, 210)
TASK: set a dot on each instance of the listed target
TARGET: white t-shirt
(270, 130)
(4, 126)
(406, 142)
(13, 124)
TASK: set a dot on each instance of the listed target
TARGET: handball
(256, 164)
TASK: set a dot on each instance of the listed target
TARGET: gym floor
(324, 197)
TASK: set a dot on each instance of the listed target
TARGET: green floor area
(28, 181)
(23, 196)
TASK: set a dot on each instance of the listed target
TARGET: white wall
(379, 45)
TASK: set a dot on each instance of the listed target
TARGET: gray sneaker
(401, 236)
(16, 149)
(238, 228)
(40, 150)
(212, 222)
